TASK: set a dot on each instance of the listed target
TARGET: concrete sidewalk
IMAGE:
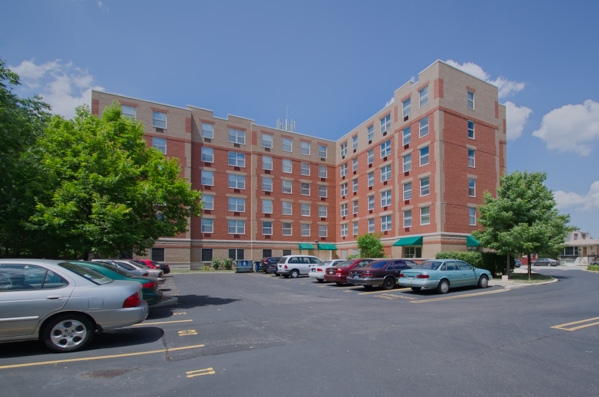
(500, 282)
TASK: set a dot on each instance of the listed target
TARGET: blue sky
(329, 65)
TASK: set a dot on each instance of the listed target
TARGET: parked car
(443, 274)
(517, 262)
(165, 267)
(318, 271)
(338, 273)
(545, 262)
(63, 304)
(384, 273)
(135, 267)
(295, 265)
(267, 262)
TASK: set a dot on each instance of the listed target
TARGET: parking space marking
(187, 332)
(447, 298)
(574, 326)
(112, 356)
(382, 291)
(200, 372)
(161, 322)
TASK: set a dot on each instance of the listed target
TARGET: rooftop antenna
(287, 125)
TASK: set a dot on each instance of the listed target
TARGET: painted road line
(200, 372)
(382, 291)
(187, 332)
(447, 298)
(112, 356)
(576, 325)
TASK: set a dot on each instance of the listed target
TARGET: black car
(269, 265)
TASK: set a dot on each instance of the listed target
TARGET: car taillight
(145, 274)
(401, 275)
(339, 271)
(318, 269)
(149, 284)
(285, 266)
(423, 276)
(133, 301)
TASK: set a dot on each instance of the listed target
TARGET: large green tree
(523, 218)
(370, 246)
(99, 189)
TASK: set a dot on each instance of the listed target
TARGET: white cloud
(103, 7)
(588, 202)
(571, 128)
(516, 118)
(60, 84)
(505, 87)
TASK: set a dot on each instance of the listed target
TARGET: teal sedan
(443, 274)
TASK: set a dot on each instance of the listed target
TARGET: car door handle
(53, 297)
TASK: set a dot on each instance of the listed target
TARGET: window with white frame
(207, 178)
(355, 207)
(470, 129)
(207, 225)
(305, 148)
(267, 228)
(207, 154)
(159, 119)
(323, 230)
(386, 198)
(423, 127)
(267, 206)
(385, 223)
(386, 173)
(208, 202)
(425, 186)
(371, 179)
(355, 228)
(343, 170)
(407, 218)
(406, 136)
(370, 132)
(472, 216)
(423, 96)
(470, 100)
(355, 185)
(287, 166)
(267, 163)
(305, 207)
(287, 145)
(386, 148)
(322, 211)
(236, 204)
(236, 226)
(287, 188)
(425, 215)
(236, 159)
(236, 181)
(286, 208)
(471, 158)
(406, 107)
(407, 191)
(322, 171)
(343, 149)
(159, 143)
(471, 187)
(371, 203)
(370, 156)
(322, 151)
(266, 184)
(267, 141)
(236, 136)
(207, 130)
(128, 112)
(305, 230)
(354, 143)
(424, 156)
(322, 191)
(305, 189)
(305, 169)
(371, 225)
(343, 209)
(407, 162)
(344, 230)
(354, 165)
(385, 123)
(344, 189)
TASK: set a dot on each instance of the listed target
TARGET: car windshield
(429, 265)
(86, 273)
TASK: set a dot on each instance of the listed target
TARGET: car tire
(416, 289)
(483, 282)
(388, 283)
(294, 273)
(68, 333)
(443, 287)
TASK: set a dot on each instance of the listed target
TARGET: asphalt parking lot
(261, 335)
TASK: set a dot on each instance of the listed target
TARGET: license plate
(356, 276)
(410, 278)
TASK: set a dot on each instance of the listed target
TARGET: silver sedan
(63, 304)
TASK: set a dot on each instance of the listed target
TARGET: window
(207, 225)
(425, 186)
(386, 173)
(236, 136)
(385, 123)
(206, 255)
(207, 178)
(287, 166)
(370, 203)
(407, 162)
(322, 211)
(305, 189)
(236, 159)
(207, 131)
(343, 149)
(305, 209)
(355, 228)
(287, 188)
(267, 207)
(267, 228)
(386, 198)
(266, 184)
(406, 107)
(236, 204)
(322, 230)
(355, 185)
(354, 165)
(287, 145)
(407, 191)
(343, 209)
(343, 170)
(386, 148)
(355, 207)
(322, 151)
(208, 201)
(128, 112)
(470, 129)
(354, 142)
(470, 100)
(236, 181)
(424, 156)
(371, 225)
(406, 136)
(370, 133)
(305, 148)
(159, 119)
(423, 96)
(267, 163)
(370, 156)
(157, 254)
(287, 230)
(425, 215)
(413, 252)
(286, 208)
(322, 191)
(236, 254)
(322, 171)
(385, 223)
(423, 131)
(371, 179)
(305, 169)
(471, 187)
(472, 216)
(236, 226)
(305, 230)
(207, 154)
(344, 230)
(344, 189)
(160, 144)
(407, 218)
(471, 158)
(267, 141)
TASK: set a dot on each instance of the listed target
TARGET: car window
(429, 265)
(452, 266)
(464, 266)
(378, 265)
(25, 277)
(314, 260)
(293, 260)
(86, 273)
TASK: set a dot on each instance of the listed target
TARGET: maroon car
(338, 273)
(384, 273)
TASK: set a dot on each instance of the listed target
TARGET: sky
(329, 65)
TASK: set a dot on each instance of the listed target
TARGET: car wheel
(67, 333)
(416, 289)
(443, 287)
(388, 283)
(294, 273)
(483, 282)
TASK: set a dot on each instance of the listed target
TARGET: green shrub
(594, 267)
(216, 263)
(228, 263)
(472, 257)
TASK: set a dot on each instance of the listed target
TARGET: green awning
(327, 247)
(306, 246)
(472, 242)
(407, 241)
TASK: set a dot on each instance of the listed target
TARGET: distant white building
(580, 248)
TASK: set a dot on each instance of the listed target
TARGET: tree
(523, 218)
(370, 246)
(99, 189)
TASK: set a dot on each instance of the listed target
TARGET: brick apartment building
(414, 173)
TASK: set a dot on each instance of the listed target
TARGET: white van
(294, 265)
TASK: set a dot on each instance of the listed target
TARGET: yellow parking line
(200, 372)
(585, 324)
(447, 298)
(74, 360)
